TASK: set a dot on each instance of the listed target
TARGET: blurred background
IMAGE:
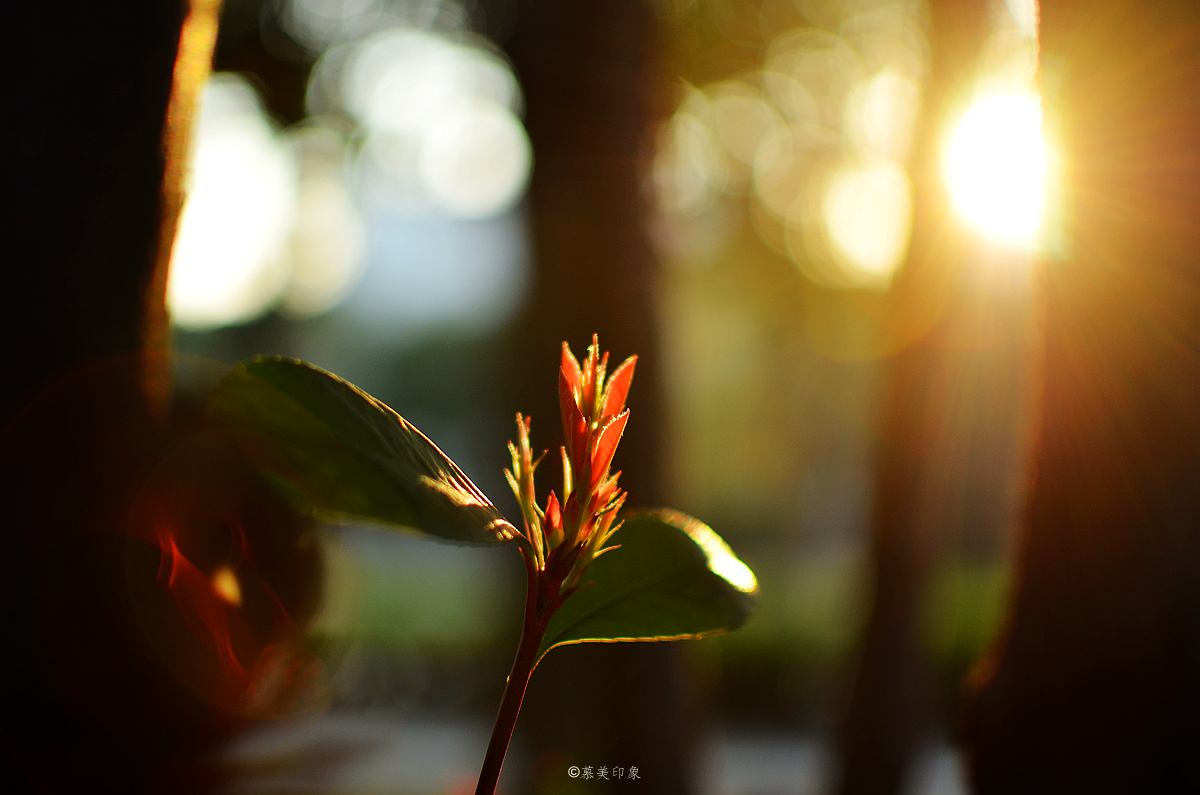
(890, 307)
(789, 209)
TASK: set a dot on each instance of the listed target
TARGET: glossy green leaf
(338, 453)
(672, 578)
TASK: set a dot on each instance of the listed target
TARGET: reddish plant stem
(538, 609)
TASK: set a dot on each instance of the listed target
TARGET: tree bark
(1095, 688)
(91, 85)
(101, 99)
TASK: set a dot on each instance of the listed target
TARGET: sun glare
(996, 167)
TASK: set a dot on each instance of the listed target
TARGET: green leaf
(338, 453)
(672, 578)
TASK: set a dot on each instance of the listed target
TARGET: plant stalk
(518, 679)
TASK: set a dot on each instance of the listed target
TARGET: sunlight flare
(996, 167)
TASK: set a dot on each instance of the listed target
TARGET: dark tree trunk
(96, 695)
(1096, 687)
(89, 85)
(588, 71)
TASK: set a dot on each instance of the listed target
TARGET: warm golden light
(225, 584)
(996, 167)
(867, 212)
(229, 263)
(721, 560)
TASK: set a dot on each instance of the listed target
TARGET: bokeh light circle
(229, 263)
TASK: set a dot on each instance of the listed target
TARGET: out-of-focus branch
(935, 299)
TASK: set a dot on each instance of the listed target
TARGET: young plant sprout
(340, 454)
(561, 541)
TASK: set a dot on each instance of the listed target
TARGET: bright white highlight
(476, 160)
(996, 168)
(721, 560)
(867, 212)
(1025, 15)
(441, 122)
(229, 263)
(881, 114)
